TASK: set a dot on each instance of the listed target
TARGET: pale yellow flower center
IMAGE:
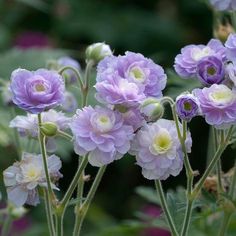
(137, 74)
(32, 173)
(39, 88)
(162, 142)
(223, 96)
(104, 123)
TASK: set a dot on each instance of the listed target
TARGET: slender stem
(74, 183)
(77, 73)
(44, 155)
(213, 162)
(225, 223)
(165, 208)
(6, 226)
(86, 82)
(82, 211)
(65, 135)
(49, 215)
(59, 227)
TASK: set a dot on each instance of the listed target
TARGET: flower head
(158, 150)
(37, 91)
(68, 61)
(186, 62)
(129, 79)
(231, 72)
(23, 178)
(218, 104)
(187, 106)
(210, 70)
(101, 133)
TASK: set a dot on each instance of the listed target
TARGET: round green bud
(97, 51)
(152, 109)
(17, 212)
(49, 129)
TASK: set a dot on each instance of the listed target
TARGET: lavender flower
(101, 133)
(37, 91)
(28, 125)
(224, 5)
(68, 61)
(231, 72)
(230, 45)
(210, 70)
(70, 103)
(23, 178)
(218, 104)
(187, 106)
(186, 62)
(158, 150)
(128, 79)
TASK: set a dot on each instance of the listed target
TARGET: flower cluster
(215, 68)
(23, 178)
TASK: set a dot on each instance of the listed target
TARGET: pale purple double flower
(158, 150)
(128, 79)
(218, 105)
(101, 132)
(37, 91)
(230, 45)
(186, 63)
(23, 178)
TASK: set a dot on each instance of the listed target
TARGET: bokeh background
(32, 32)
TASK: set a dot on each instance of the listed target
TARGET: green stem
(225, 223)
(74, 183)
(82, 211)
(65, 135)
(213, 162)
(165, 208)
(44, 155)
(6, 226)
(49, 215)
(77, 73)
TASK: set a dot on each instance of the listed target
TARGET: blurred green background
(31, 32)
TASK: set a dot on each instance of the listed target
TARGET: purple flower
(70, 103)
(23, 178)
(210, 70)
(187, 106)
(230, 45)
(231, 72)
(224, 5)
(68, 61)
(218, 104)
(128, 79)
(186, 62)
(158, 150)
(37, 91)
(101, 133)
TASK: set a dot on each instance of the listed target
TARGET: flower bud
(187, 106)
(49, 129)
(152, 109)
(97, 51)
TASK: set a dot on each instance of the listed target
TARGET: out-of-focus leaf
(37, 4)
(31, 59)
(149, 194)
